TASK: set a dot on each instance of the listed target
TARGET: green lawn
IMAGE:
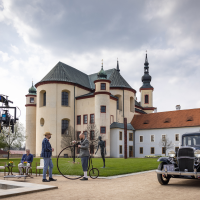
(114, 166)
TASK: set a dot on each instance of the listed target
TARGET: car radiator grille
(186, 159)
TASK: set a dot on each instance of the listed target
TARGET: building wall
(53, 113)
(115, 143)
(147, 144)
(127, 107)
(31, 129)
(150, 93)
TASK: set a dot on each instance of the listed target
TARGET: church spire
(118, 65)
(146, 78)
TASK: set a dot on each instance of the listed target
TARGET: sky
(36, 35)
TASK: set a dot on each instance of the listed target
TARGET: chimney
(178, 107)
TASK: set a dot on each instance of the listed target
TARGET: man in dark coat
(46, 154)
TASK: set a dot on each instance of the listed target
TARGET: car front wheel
(162, 179)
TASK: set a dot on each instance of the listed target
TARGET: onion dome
(32, 90)
(102, 74)
(146, 78)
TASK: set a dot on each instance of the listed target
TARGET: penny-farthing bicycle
(71, 168)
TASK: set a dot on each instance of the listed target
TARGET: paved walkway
(143, 186)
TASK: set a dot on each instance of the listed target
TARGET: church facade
(67, 97)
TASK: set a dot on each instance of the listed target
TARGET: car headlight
(171, 154)
(197, 153)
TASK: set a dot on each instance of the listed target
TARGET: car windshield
(192, 140)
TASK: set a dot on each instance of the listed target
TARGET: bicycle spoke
(70, 168)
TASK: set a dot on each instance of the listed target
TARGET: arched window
(65, 98)
(146, 98)
(132, 104)
(65, 125)
(119, 102)
(43, 98)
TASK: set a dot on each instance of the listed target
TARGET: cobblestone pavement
(140, 186)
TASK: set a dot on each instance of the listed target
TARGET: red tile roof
(171, 119)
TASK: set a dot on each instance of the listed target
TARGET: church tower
(146, 89)
(102, 107)
(31, 99)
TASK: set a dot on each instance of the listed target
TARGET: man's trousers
(47, 163)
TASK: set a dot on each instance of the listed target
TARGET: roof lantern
(102, 74)
(32, 90)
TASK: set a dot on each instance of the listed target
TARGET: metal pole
(125, 138)
(74, 124)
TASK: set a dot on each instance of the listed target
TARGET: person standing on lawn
(46, 154)
(84, 154)
(25, 158)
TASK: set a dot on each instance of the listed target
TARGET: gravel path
(141, 186)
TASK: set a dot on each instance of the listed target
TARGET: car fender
(163, 159)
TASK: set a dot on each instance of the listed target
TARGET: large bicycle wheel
(70, 167)
(94, 173)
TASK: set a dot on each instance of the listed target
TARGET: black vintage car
(185, 163)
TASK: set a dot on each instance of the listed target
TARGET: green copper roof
(63, 72)
(32, 90)
(102, 74)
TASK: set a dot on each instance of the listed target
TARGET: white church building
(67, 97)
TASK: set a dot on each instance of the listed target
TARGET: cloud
(35, 35)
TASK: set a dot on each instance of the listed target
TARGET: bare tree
(166, 143)
(93, 135)
(67, 137)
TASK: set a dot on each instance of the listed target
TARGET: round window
(42, 121)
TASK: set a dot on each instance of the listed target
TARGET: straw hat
(47, 133)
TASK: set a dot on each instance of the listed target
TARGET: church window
(65, 124)
(92, 136)
(120, 149)
(42, 121)
(44, 99)
(79, 119)
(176, 137)
(141, 150)
(31, 100)
(141, 138)
(85, 133)
(103, 86)
(65, 98)
(146, 98)
(77, 135)
(117, 103)
(152, 138)
(130, 136)
(103, 129)
(85, 119)
(120, 135)
(91, 149)
(92, 119)
(152, 150)
(103, 109)
(163, 150)
(163, 137)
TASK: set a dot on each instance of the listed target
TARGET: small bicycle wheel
(94, 173)
(70, 168)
